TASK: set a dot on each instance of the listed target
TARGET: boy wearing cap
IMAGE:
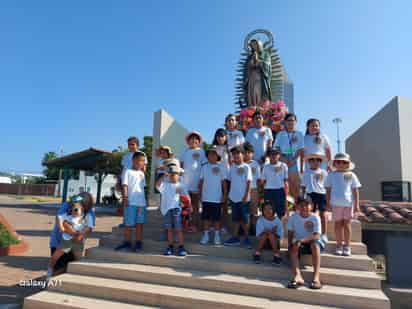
(192, 160)
(134, 202)
(240, 178)
(171, 191)
(342, 197)
(313, 185)
(274, 179)
(213, 193)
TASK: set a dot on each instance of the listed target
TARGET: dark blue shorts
(173, 219)
(307, 249)
(318, 201)
(277, 198)
(240, 212)
(211, 211)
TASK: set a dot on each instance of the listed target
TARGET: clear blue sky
(91, 73)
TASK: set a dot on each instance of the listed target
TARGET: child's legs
(279, 197)
(130, 220)
(140, 220)
(245, 218)
(347, 227)
(254, 205)
(324, 222)
(139, 231)
(294, 263)
(167, 225)
(206, 215)
(177, 223)
(170, 236)
(128, 233)
(274, 242)
(55, 257)
(236, 217)
(339, 232)
(314, 246)
(194, 196)
(262, 241)
(77, 255)
(225, 210)
(294, 184)
(216, 216)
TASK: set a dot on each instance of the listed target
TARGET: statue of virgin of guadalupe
(259, 73)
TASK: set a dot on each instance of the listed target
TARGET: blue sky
(90, 73)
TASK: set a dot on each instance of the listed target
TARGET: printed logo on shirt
(262, 133)
(179, 190)
(317, 139)
(278, 169)
(254, 170)
(240, 171)
(309, 226)
(196, 156)
(347, 176)
(216, 170)
(318, 177)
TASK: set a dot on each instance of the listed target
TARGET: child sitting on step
(304, 238)
(342, 197)
(268, 229)
(171, 190)
(134, 202)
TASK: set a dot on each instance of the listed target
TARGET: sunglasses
(315, 160)
(341, 162)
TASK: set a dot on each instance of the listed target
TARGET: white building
(5, 179)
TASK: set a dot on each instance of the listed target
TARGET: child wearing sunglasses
(313, 186)
(342, 197)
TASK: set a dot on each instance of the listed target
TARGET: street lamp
(337, 121)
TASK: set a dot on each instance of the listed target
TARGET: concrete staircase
(209, 277)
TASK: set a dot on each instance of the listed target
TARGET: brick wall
(27, 189)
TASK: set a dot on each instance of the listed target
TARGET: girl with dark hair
(316, 142)
(234, 136)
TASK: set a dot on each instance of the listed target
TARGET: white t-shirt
(234, 138)
(275, 175)
(341, 185)
(78, 223)
(264, 224)
(192, 159)
(289, 142)
(135, 181)
(304, 227)
(238, 176)
(256, 172)
(170, 195)
(311, 146)
(314, 180)
(259, 139)
(222, 150)
(212, 175)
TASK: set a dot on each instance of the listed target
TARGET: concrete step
(354, 262)
(53, 300)
(182, 297)
(244, 268)
(357, 247)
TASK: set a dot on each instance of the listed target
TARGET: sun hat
(171, 161)
(164, 147)
(316, 155)
(174, 169)
(343, 157)
(213, 148)
(195, 133)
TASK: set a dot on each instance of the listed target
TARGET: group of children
(246, 173)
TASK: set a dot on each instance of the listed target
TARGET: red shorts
(340, 213)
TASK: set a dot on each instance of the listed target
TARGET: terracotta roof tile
(386, 212)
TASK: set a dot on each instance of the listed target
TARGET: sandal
(315, 285)
(293, 284)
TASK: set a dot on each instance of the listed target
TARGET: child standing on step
(192, 160)
(213, 193)
(260, 137)
(274, 180)
(134, 202)
(342, 197)
(171, 190)
(240, 178)
(317, 142)
(304, 238)
(234, 136)
(269, 228)
(256, 172)
(313, 185)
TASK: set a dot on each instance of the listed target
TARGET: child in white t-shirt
(342, 196)
(240, 178)
(260, 137)
(171, 190)
(134, 202)
(304, 238)
(317, 142)
(213, 193)
(234, 136)
(256, 172)
(313, 185)
(162, 153)
(192, 160)
(273, 180)
(268, 228)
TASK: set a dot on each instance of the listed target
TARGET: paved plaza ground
(34, 221)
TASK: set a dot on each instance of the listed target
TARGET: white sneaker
(346, 251)
(217, 239)
(339, 250)
(205, 238)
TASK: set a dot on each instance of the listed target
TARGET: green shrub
(6, 238)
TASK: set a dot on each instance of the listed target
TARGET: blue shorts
(277, 199)
(173, 219)
(134, 215)
(318, 201)
(240, 212)
(211, 211)
(307, 249)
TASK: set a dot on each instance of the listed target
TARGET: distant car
(4, 179)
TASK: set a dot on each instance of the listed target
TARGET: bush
(6, 238)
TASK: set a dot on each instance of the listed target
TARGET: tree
(147, 149)
(53, 172)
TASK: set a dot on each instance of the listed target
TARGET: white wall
(405, 120)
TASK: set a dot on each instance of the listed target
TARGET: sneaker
(257, 258)
(324, 238)
(181, 251)
(125, 246)
(223, 231)
(277, 260)
(339, 250)
(205, 238)
(217, 241)
(346, 251)
(49, 273)
(139, 246)
(246, 243)
(169, 251)
(232, 242)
